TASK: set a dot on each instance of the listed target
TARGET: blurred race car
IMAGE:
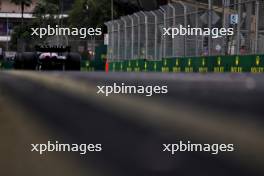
(48, 58)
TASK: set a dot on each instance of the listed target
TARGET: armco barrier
(217, 64)
(86, 66)
(6, 65)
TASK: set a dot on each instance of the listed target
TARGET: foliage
(22, 2)
(23, 34)
(92, 13)
(84, 13)
(45, 12)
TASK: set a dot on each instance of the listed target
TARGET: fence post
(196, 25)
(139, 36)
(125, 38)
(210, 27)
(238, 28)
(161, 44)
(174, 25)
(163, 36)
(185, 25)
(156, 33)
(257, 27)
(113, 39)
(146, 33)
(118, 41)
(132, 36)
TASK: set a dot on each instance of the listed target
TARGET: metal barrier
(140, 35)
(216, 64)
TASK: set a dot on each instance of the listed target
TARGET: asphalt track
(203, 108)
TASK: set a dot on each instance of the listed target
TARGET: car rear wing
(46, 48)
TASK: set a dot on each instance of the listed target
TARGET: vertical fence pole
(224, 3)
(132, 37)
(163, 36)
(174, 25)
(118, 40)
(125, 38)
(185, 25)
(161, 39)
(210, 27)
(238, 28)
(156, 33)
(257, 27)
(146, 33)
(113, 39)
(139, 36)
(196, 26)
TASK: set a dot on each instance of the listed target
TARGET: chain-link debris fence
(140, 35)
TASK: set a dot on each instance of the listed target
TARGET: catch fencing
(140, 35)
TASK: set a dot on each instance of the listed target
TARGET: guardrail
(95, 65)
(6, 65)
(217, 64)
(85, 65)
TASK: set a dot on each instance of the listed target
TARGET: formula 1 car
(48, 58)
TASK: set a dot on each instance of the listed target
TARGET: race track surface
(202, 108)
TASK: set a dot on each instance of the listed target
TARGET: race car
(48, 58)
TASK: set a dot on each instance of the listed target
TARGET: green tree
(21, 38)
(45, 12)
(91, 13)
(23, 4)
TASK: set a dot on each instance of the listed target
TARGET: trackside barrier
(140, 35)
(6, 65)
(217, 64)
(92, 66)
(98, 63)
(87, 66)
